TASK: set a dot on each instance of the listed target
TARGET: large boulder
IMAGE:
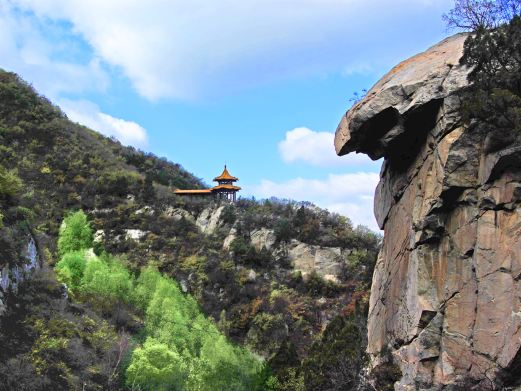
(445, 299)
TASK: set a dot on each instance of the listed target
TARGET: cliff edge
(446, 293)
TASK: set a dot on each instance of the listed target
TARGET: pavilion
(225, 189)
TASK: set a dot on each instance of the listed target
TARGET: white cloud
(348, 194)
(26, 50)
(316, 148)
(182, 49)
(89, 114)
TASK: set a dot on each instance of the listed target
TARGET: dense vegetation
(253, 294)
(182, 349)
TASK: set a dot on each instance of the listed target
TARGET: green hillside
(237, 261)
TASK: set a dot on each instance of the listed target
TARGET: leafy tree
(156, 366)
(283, 230)
(167, 318)
(145, 287)
(71, 268)
(241, 247)
(112, 280)
(75, 233)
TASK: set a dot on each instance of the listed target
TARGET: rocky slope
(445, 301)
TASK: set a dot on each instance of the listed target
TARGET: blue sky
(260, 85)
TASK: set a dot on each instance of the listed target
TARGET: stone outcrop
(178, 213)
(228, 240)
(263, 237)
(12, 275)
(135, 234)
(325, 261)
(209, 219)
(446, 295)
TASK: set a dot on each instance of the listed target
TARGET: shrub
(10, 183)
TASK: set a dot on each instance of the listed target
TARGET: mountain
(288, 281)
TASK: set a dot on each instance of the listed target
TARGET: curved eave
(226, 187)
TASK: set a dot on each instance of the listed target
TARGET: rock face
(177, 214)
(209, 219)
(232, 235)
(325, 261)
(446, 294)
(11, 276)
(263, 237)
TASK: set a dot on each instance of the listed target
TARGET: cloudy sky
(259, 84)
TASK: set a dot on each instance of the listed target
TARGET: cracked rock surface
(446, 293)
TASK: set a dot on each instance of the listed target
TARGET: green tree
(109, 279)
(283, 230)
(156, 366)
(75, 233)
(71, 268)
(145, 287)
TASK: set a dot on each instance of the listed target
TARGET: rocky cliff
(445, 302)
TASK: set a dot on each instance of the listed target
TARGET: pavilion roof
(226, 187)
(225, 176)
